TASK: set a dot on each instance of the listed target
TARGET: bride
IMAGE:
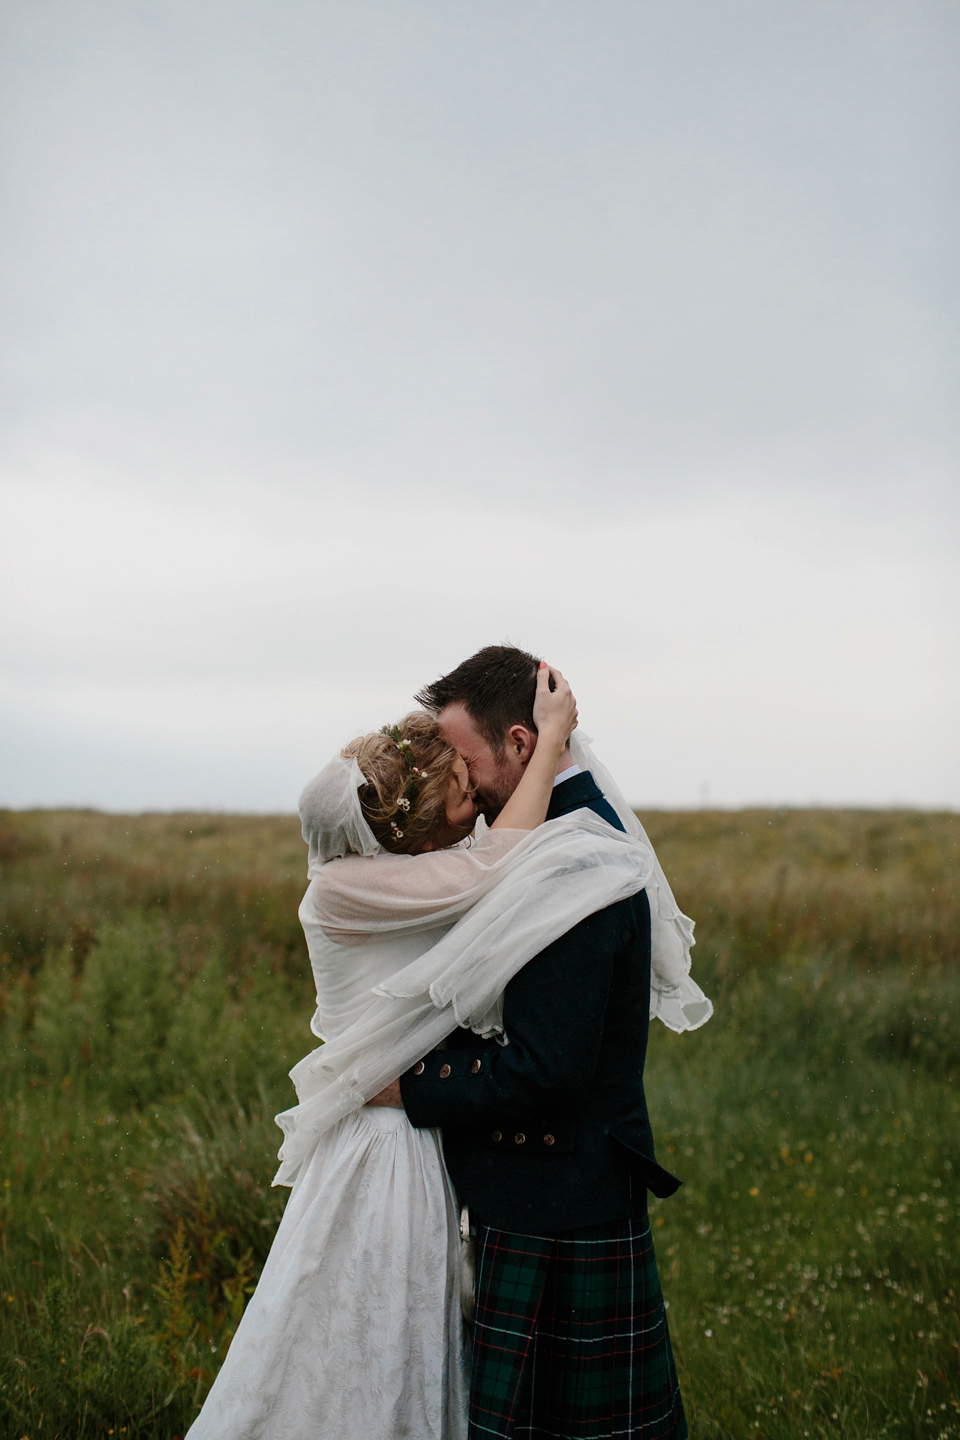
(355, 1330)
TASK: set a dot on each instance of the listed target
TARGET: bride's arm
(358, 895)
(555, 716)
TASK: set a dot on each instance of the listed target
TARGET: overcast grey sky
(339, 339)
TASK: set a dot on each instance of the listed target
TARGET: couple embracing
(466, 1251)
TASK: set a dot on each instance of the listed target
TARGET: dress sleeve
(359, 895)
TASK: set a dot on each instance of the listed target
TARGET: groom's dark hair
(496, 687)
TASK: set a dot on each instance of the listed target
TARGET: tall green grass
(154, 991)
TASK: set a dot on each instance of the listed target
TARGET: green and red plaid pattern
(571, 1338)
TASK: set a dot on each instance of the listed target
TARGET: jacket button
(497, 1135)
(444, 1071)
(475, 1067)
(549, 1140)
(419, 1068)
(519, 1138)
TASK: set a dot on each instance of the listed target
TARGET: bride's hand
(554, 711)
(555, 715)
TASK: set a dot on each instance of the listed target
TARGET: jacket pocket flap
(656, 1179)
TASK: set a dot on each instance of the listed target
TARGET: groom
(547, 1138)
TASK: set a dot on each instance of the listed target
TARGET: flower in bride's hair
(407, 767)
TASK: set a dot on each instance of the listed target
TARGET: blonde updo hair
(388, 767)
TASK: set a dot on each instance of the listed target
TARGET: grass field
(154, 992)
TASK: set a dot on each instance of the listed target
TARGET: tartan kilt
(571, 1338)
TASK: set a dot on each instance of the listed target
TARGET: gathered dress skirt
(354, 1331)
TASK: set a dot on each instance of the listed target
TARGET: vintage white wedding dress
(355, 1331)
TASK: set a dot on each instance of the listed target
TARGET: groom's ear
(521, 743)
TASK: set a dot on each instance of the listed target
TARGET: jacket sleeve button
(519, 1138)
(444, 1071)
(475, 1067)
(497, 1135)
(419, 1068)
(549, 1140)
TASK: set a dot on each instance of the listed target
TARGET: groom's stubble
(495, 773)
(496, 797)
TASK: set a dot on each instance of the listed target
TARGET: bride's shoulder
(355, 865)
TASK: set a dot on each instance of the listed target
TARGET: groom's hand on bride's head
(389, 1095)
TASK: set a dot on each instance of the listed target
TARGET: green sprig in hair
(411, 791)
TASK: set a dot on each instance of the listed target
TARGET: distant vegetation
(155, 990)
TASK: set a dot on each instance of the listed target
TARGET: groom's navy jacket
(551, 1132)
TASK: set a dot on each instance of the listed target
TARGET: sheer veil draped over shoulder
(439, 936)
(675, 999)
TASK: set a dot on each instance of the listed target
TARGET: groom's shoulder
(581, 792)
